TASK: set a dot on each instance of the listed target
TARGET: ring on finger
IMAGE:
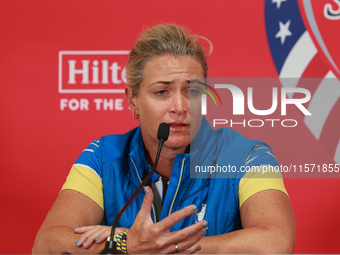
(176, 247)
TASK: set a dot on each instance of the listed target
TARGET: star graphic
(284, 31)
(278, 3)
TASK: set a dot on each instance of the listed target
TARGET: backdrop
(62, 73)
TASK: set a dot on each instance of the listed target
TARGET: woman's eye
(193, 92)
(161, 92)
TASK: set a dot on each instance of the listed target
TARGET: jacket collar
(205, 146)
(207, 143)
(138, 167)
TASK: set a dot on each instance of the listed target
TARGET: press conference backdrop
(63, 77)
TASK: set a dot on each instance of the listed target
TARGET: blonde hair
(159, 40)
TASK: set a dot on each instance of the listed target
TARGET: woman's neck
(166, 159)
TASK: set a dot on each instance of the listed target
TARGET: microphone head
(163, 131)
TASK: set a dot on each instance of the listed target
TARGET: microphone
(162, 136)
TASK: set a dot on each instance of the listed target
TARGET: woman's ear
(132, 100)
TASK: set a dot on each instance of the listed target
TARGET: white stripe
(88, 168)
(337, 153)
(250, 160)
(298, 59)
(90, 150)
(268, 152)
(321, 104)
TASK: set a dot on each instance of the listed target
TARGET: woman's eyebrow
(197, 81)
(164, 82)
(168, 82)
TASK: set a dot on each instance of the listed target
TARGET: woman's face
(164, 96)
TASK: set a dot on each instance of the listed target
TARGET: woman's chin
(178, 143)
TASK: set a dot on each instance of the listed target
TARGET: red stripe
(316, 68)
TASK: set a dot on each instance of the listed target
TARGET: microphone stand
(110, 245)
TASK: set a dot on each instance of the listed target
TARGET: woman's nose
(180, 103)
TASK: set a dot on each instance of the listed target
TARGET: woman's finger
(92, 235)
(191, 250)
(177, 216)
(197, 230)
(96, 234)
(185, 238)
(81, 230)
(179, 236)
(144, 212)
(103, 235)
(82, 241)
(190, 245)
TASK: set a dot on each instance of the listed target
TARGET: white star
(284, 31)
(278, 3)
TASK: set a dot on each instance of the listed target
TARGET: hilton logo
(92, 71)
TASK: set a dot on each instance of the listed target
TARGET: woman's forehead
(167, 68)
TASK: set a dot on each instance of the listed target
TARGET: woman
(235, 215)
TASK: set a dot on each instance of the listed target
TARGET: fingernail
(97, 239)
(199, 248)
(194, 208)
(77, 228)
(203, 232)
(77, 241)
(84, 243)
(205, 224)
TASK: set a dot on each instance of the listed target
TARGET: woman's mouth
(178, 126)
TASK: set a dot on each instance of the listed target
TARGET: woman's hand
(147, 237)
(91, 234)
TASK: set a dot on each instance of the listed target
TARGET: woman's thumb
(145, 210)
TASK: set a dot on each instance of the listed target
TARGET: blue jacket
(120, 162)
